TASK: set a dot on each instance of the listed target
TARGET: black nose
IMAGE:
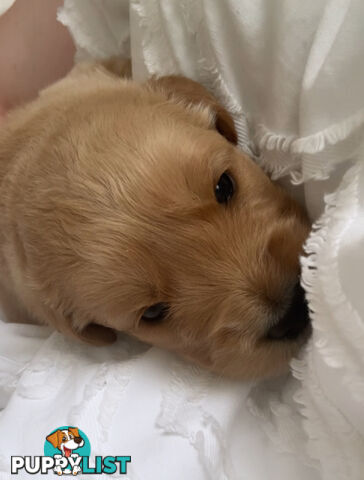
(78, 440)
(294, 321)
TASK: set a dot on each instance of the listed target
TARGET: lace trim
(321, 279)
(298, 416)
(332, 440)
(322, 151)
(157, 60)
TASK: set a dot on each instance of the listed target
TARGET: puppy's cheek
(247, 360)
(286, 247)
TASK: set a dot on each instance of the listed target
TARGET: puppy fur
(107, 207)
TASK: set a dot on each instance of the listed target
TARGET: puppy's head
(160, 227)
(66, 440)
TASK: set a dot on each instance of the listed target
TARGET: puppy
(66, 440)
(128, 207)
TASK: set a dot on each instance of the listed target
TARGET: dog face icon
(66, 440)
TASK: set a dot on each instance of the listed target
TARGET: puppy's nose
(78, 440)
(294, 321)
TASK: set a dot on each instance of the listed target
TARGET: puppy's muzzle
(295, 321)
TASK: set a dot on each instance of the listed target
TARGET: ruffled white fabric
(5, 5)
(274, 61)
(292, 76)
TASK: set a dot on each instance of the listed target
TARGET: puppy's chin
(232, 356)
(268, 361)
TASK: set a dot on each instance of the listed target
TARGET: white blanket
(292, 75)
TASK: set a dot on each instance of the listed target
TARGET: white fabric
(100, 28)
(292, 75)
(175, 420)
(5, 5)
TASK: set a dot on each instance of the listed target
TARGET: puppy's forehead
(195, 161)
(175, 169)
(209, 163)
(201, 176)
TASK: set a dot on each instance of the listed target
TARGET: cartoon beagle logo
(66, 440)
(63, 442)
(67, 452)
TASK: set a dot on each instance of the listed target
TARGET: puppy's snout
(295, 320)
(78, 440)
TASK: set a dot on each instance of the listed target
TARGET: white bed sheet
(175, 420)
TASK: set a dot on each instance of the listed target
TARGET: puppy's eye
(64, 439)
(225, 188)
(155, 312)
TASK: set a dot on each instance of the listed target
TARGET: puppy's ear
(189, 92)
(54, 438)
(74, 431)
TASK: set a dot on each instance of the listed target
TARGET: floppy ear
(54, 438)
(74, 431)
(192, 93)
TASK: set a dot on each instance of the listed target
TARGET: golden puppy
(127, 207)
